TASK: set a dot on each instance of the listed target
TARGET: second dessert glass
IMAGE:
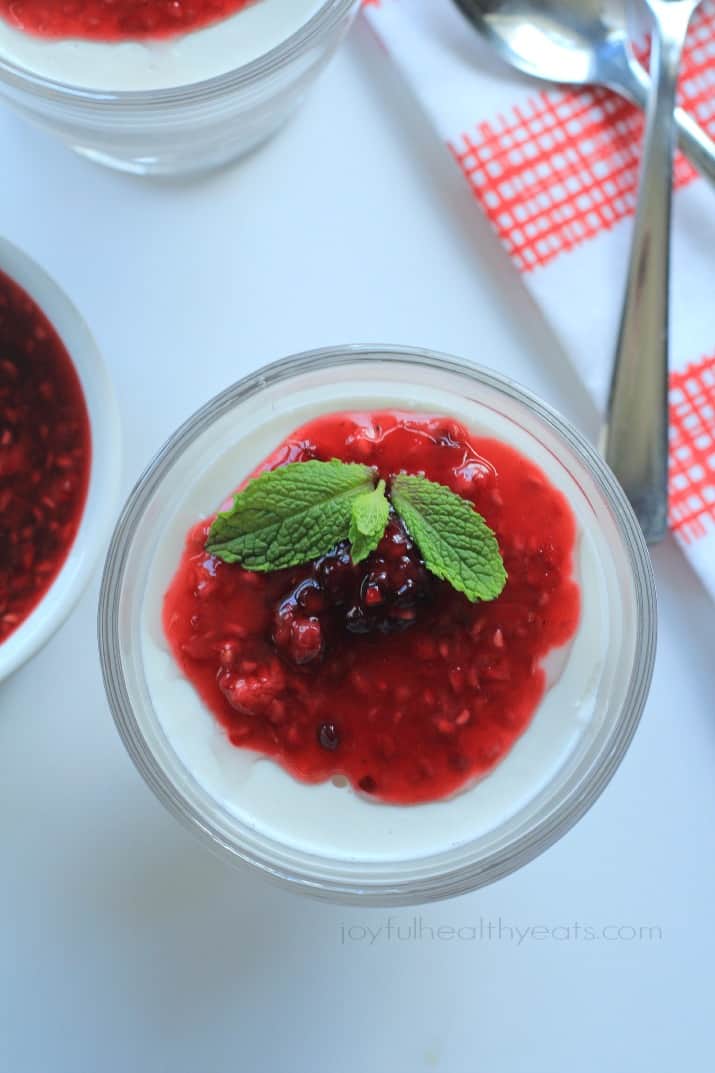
(188, 128)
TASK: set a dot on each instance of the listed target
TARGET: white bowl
(60, 598)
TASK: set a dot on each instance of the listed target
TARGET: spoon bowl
(578, 42)
(569, 41)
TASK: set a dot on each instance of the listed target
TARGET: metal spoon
(588, 37)
(635, 440)
(582, 42)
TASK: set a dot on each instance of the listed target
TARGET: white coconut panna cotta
(331, 819)
(162, 63)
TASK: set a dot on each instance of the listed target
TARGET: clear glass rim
(496, 863)
(322, 22)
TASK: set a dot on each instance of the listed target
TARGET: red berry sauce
(116, 20)
(381, 672)
(44, 455)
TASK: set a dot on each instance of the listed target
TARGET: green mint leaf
(455, 542)
(289, 515)
(369, 518)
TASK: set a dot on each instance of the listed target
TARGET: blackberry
(383, 594)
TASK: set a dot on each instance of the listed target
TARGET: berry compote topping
(380, 672)
(116, 20)
(44, 455)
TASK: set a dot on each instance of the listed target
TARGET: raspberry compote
(380, 672)
(116, 20)
(127, 46)
(44, 455)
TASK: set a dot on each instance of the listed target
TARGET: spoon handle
(636, 434)
(692, 139)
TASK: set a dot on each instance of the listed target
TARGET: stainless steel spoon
(581, 42)
(586, 41)
(635, 440)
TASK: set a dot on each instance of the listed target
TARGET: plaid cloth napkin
(556, 172)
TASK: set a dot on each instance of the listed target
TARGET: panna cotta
(144, 45)
(165, 87)
(378, 671)
(432, 678)
(463, 767)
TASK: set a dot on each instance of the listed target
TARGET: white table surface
(125, 945)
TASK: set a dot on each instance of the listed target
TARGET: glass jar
(488, 829)
(188, 128)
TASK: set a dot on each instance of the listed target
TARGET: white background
(124, 944)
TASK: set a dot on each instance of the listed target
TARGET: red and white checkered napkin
(556, 172)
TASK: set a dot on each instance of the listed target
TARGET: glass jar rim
(573, 802)
(203, 91)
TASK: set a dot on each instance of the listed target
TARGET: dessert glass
(244, 420)
(187, 128)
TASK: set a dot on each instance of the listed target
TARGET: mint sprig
(455, 542)
(289, 515)
(300, 511)
(369, 518)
